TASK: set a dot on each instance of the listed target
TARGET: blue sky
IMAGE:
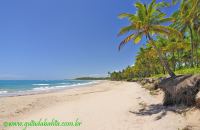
(59, 39)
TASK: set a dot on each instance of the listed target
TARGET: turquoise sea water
(21, 87)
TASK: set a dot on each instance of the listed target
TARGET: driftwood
(181, 90)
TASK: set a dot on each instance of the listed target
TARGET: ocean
(23, 87)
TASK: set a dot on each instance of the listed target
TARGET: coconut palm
(147, 21)
(188, 20)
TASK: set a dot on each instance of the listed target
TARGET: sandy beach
(108, 105)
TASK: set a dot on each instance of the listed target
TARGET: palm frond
(150, 8)
(168, 30)
(160, 32)
(126, 15)
(175, 1)
(164, 20)
(127, 39)
(136, 37)
(126, 29)
(141, 12)
(195, 6)
(157, 14)
(162, 4)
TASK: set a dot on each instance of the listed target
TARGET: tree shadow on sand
(161, 110)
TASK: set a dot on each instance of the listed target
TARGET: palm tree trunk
(163, 70)
(163, 62)
(196, 49)
(178, 59)
(192, 47)
(173, 61)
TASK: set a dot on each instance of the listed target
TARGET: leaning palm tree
(147, 21)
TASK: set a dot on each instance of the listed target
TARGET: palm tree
(147, 21)
(187, 20)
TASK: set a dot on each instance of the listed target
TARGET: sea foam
(60, 86)
(23, 87)
(3, 92)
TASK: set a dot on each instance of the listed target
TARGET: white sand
(104, 106)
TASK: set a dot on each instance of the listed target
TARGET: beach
(106, 105)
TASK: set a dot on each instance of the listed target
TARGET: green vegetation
(181, 72)
(189, 71)
(172, 43)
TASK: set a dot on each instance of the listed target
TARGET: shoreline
(52, 90)
(108, 105)
(13, 107)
